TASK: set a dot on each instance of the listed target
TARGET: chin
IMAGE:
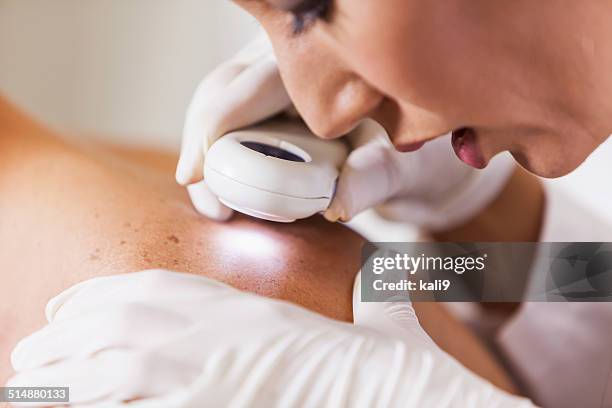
(554, 165)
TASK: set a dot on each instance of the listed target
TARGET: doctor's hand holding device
(278, 170)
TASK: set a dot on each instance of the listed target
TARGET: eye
(307, 12)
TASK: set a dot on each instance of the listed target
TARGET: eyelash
(308, 12)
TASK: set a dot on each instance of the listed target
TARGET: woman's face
(533, 78)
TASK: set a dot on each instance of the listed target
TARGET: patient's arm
(71, 213)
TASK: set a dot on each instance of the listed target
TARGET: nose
(329, 96)
(339, 107)
(408, 126)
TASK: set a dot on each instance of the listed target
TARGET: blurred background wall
(117, 67)
(127, 68)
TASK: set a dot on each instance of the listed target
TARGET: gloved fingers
(368, 131)
(368, 177)
(170, 289)
(111, 376)
(207, 204)
(125, 326)
(396, 318)
(191, 160)
(76, 374)
(256, 94)
(208, 95)
(254, 51)
(246, 96)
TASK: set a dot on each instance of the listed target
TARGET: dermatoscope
(277, 171)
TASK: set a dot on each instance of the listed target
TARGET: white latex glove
(430, 187)
(175, 340)
(243, 90)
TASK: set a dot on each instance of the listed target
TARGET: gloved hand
(158, 338)
(430, 187)
(243, 90)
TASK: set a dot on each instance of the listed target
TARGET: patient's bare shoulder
(72, 213)
(80, 212)
(310, 262)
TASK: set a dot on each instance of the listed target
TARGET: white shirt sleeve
(562, 351)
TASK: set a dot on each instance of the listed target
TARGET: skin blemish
(122, 242)
(127, 224)
(94, 257)
(145, 257)
(173, 238)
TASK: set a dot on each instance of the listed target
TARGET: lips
(465, 144)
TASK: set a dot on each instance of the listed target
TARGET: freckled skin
(48, 189)
(53, 239)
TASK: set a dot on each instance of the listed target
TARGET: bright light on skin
(249, 242)
(249, 255)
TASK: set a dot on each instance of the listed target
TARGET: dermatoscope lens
(273, 151)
